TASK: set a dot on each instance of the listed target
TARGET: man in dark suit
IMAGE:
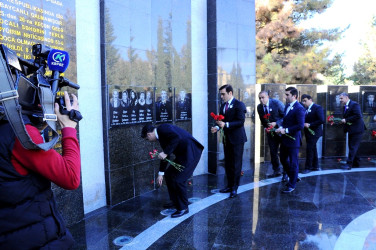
(354, 126)
(187, 151)
(293, 123)
(233, 127)
(314, 118)
(275, 109)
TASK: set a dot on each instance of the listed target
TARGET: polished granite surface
(330, 209)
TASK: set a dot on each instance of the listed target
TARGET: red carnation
(373, 133)
(220, 118)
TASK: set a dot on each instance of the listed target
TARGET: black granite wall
(367, 103)
(147, 48)
(334, 140)
(231, 33)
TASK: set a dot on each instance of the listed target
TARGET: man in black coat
(234, 137)
(354, 126)
(275, 109)
(314, 118)
(187, 151)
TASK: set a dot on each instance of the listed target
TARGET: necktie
(226, 107)
(266, 110)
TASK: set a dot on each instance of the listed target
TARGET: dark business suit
(353, 115)
(187, 151)
(235, 138)
(315, 117)
(276, 111)
(294, 122)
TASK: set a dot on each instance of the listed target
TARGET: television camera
(26, 90)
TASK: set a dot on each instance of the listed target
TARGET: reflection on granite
(335, 148)
(212, 61)
(121, 183)
(312, 217)
(144, 176)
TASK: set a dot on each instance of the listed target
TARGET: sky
(341, 14)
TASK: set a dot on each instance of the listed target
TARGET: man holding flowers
(232, 125)
(353, 125)
(314, 118)
(187, 151)
(293, 123)
(271, 113)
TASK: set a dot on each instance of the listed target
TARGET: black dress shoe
(169, 205)
(355, 165)
(288, 190)
(226, 190)
(346, 167)
(285, 178)
(233, 194)
(298, 179)
(306, 171)
(274, 175)
(179, 213)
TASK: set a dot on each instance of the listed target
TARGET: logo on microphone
(58, 57)
(58, 60)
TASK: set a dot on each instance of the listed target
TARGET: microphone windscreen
(58, 60)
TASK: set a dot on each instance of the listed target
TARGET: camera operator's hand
(64, 119)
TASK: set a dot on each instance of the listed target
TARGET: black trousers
(290, 163)
(354, 142)
(177, 181)
(274, 143)
(312, 161)
(233, 163)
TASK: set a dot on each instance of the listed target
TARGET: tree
(287, 53)
(365, 67)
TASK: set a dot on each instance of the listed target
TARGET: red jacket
(63, 170)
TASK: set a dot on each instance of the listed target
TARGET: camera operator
(29, 218)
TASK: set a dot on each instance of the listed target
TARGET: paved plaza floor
(330, 209)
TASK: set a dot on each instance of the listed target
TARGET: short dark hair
(306, 96)
(228, 88)
(264, 92)
(148, 128)
(293, 91)
(344, 94)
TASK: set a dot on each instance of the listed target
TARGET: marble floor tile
(330, 209)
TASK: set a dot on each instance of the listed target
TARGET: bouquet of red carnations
(155, 153)
(218, 118)
(271, 130)
(335, 120)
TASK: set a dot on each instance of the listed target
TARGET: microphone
(57, 61)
